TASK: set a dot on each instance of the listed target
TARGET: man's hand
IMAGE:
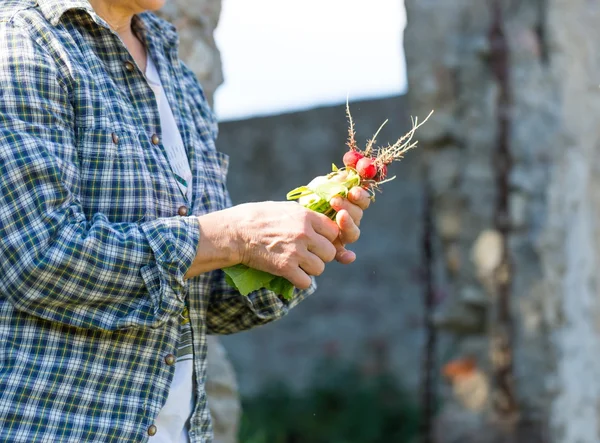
(285, 239)
(349, 215)
(282, 238)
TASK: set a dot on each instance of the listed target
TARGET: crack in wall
(541, 30)
(428, 390)
(504, 405)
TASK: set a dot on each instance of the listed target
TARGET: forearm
(217, 247)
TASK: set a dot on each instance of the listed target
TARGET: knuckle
(293, 247)
(300, 236)
(307, 215)
(287, 263)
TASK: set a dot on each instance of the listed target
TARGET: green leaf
(283, 287)
(328, 190)
(334, 167)
(229, 280)
(247, 280)
(298, 192)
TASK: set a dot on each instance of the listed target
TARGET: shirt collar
(157, 28)
(53, 10)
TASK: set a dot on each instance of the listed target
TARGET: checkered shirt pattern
(92, 251)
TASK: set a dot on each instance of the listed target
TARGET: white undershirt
(172, 421)
(171, 137)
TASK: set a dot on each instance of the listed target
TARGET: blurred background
(471, 313)
(301, 55)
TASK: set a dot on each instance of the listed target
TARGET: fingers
(311, 264)
(360, 197)
(349, 215)
(343, 255)
(324, 226)
(322, 247)
(349, 231)
(357, 195)
(342, 204)
(288, 240)
(328, 242)
(299, 278)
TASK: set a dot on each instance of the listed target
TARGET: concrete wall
(515, 88)
(367, 312)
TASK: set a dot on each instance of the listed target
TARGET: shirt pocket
(115, 180)
(215, 165)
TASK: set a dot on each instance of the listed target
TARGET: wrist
(220, 232)
(218, 245)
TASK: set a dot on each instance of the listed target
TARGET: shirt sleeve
(230, 312)
(55, 263)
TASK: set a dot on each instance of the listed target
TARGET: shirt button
(183, 211)
(170, 359)
(115, 138)
(152, 430)
(129, 66)
(155, 139)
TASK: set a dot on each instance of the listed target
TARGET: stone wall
(196, 21)
(514, 147)
(367, 314)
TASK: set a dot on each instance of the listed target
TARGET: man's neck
(117, 16)
(119, 19)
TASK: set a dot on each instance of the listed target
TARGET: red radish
(366, 168)
(351, 158)
(382, 173)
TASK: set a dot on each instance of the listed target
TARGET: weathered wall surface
(456, 61)
(196, 21)
(367, 313)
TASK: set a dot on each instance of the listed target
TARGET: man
(114, 224)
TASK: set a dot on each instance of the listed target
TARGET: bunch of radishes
(371, 165)
(367, 168)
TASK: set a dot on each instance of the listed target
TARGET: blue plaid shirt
(95, 234)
